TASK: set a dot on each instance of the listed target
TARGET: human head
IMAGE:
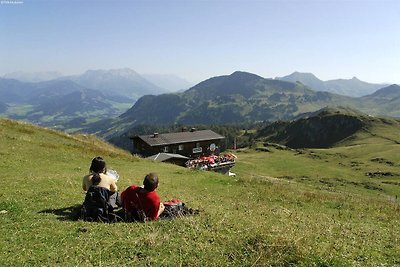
(150, 182)
(98, 165)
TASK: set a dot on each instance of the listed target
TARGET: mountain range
(75, 102)
(94, 95)
(232, 98)
(244, 96)
(60, 103)
(348, 87)
(238, 98)
(33, 76)
(124, 82)
(14, 91)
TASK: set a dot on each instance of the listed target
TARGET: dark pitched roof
(178, 138)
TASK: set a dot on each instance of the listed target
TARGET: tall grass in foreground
(275, 212)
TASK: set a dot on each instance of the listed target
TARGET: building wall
(190, 149)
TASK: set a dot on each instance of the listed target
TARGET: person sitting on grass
(142, 203)
(96, 206)
(98, 167)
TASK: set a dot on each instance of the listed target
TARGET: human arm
(155, 207)
(113, 186)
(123, 199)
(84, 187)
(161, 209)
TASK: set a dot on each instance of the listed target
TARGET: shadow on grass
(72, 213)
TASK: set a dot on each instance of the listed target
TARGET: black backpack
(96, 206)
(176, 208)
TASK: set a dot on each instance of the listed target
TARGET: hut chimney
(193, 130)
(155, 135)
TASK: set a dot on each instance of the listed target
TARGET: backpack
(96, 206)
(176, 208)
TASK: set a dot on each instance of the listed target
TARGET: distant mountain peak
(333, 110)
(123, 72)
(389, 91)
(304, 78)
(239, 72)
(124, 82)
(299, 76)
(303, 73)
(243, 74)
(348, 87)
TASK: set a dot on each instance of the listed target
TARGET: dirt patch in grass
(391, 183)
(383, 161)
(379, 174)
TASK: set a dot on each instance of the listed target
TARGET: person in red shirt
(142, 203)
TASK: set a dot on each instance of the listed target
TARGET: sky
(197, 40)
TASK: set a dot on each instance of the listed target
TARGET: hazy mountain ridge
(124, 82)
(14, 91)
(3, 107)
(385, 101)
(45, 91)
(170, 82)
(56, 102)
(42, 102)
(33, 76)
(389, 92)
(348, 87)
(72, 110)
(75, 102)
(308, 79)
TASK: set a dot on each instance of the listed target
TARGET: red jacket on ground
(136, 199)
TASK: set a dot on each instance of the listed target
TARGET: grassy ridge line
(244, 221)
(369, 158)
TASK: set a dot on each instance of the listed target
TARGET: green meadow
(314, 207)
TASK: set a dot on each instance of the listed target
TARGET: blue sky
(199, 39)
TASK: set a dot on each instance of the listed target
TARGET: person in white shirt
(98, 166)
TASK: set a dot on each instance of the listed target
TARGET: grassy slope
(250, 220)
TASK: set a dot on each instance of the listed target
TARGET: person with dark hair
(97, 176)
(98, 166)
(143, 203)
